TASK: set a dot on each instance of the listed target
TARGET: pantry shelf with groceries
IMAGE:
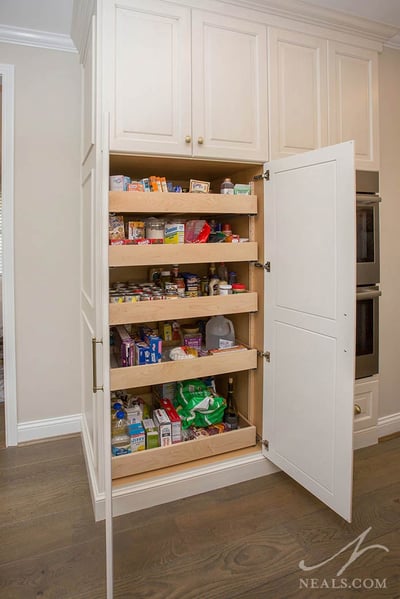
(199, 249)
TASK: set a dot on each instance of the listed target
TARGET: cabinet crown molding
(323, 17)
(81, 19)
(36, 38)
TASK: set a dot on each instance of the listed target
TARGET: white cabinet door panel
(150, 45)
(298, 91)
(353, 94)
(310, 320)
(229, 88)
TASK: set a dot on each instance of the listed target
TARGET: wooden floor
(241, 541)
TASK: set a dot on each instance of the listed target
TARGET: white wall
(47, 121)
(389, 99)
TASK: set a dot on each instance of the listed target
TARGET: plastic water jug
(220, 333)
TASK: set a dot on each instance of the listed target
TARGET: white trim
(388, 425)
(10, 376)
(395, 45)
(365, 438)
(90, 464)
(49, 427)
(164, 489)
(39, 39)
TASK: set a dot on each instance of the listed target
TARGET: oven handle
(370, 294)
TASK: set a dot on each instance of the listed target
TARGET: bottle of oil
(230, 416)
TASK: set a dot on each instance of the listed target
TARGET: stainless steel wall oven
(368, 273)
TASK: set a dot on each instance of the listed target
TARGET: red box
(176, 423)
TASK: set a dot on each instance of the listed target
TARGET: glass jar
(154, 228)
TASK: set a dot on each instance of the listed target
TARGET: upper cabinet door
(298, 92)
(310, 321)
(149, 45)
(353, 97)
(229, 88)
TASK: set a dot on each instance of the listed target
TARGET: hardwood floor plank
(44, 534)
(49, 487)
(37, 453)
(217, 571)
(76, 572)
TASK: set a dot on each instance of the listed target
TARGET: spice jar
(238, 288)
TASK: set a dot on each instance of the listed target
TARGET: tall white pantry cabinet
(162, 95)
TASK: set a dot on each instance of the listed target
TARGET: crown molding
(82, 13)
(34, 37)
(300, 11)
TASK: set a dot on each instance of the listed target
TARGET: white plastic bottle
(220, 333)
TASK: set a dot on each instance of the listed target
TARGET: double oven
(368, 273)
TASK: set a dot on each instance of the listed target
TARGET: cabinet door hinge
(266, 444)
(265, 354)
(266, 266)
(264, 176)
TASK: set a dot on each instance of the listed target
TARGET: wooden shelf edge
(166, 372)
(187, 253)
(181, 453)
(126, 313)
(187, 203)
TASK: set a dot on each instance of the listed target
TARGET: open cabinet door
(310, 321)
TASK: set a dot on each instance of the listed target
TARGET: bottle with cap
(230, 416)
(227, 186)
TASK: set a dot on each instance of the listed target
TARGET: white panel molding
(34, 37)
(164, 489)
(7, 168)
(49, 427)
(96, 495)
(388, 425)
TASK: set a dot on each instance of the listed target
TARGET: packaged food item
(242, 189)
(151, 433)
(135, 186)
(125, 345)
(225, 289)
(116, 230)
(227, 187)
(238, 288)
(174, 232)
(119, 182)
(163, 424)
(197, 231)
(137, 437)
(136, 230)
(155, 228)
(176, 424)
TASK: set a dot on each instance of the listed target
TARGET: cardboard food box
(164, 428)
(151, 433)
(138, 437)
(176, 423)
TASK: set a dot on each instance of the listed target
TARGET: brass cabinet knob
(200, 140)
(357, 409)
(188, 139)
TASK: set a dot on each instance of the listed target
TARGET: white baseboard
(388, 425)
(365, 438)
(185, 484)
(49, 427)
